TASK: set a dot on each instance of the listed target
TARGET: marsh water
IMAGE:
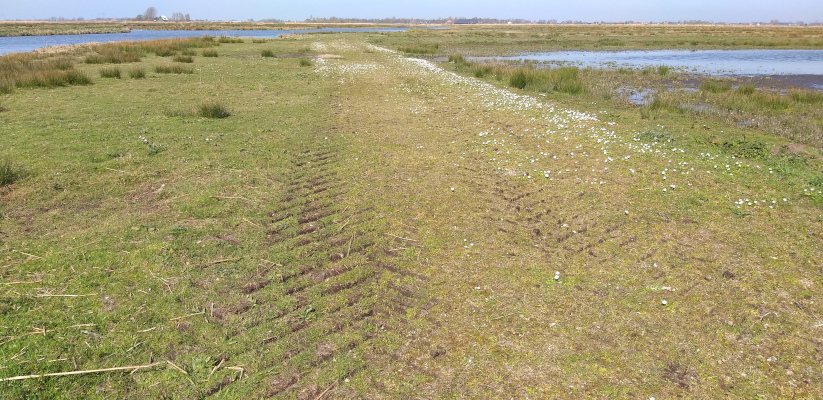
(16, 44)
(708, 62)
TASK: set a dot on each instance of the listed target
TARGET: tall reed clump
(563, 80)
(110, 73)
(137, 73)
(226, 39)
(120, 52)
(173, 69)
(107, 55)
(26, 70)
(10, 172)
(714, 86)
(424, 48)
(213, 110)
(183, 59)
(209, 53)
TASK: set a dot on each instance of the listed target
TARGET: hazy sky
(561, 10)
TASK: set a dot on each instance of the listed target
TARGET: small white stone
(627, 212)
(452, 189)
(664, 302)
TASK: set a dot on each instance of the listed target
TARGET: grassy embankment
(373, 226)
(795, 114)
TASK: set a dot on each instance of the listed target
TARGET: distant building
(163, 18)
(466, 21)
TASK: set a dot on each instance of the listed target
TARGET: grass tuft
(210, 53)
(425, 48)
(183, 59)
(213, 110)
(113, 72)
(746, 89)
(226, 39)
(173, 69)
(10, 172)
(305, 62)
(267, 53)
(715, 86)
(137, 73)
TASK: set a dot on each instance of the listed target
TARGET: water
(708, 62)
(16, 44)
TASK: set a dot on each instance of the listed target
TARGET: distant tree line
(151, 14)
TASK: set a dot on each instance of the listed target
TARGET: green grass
(114, 56)
(183, 59)
(267, 53)
(209, 53)
(137, 73)
(10, 172)
(422, 48)
(305, 62)
(173, 69)
(714, 86)
(213, 110)
(226, 39)
(395, 231)
(112, 72)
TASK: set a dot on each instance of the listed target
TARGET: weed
(663, 70)
(307, 314)
(226, 39)
(655, 135)
(421, 48)
(715, 86)
(457, 59)
(183, 59)
(746, 148)
(113, 72)
(267, 53)
(137, 73)
(114, 56)
(210, 53)
(746, 90)
(213, 110)
(188, 52)
(305, 62)
(173, 69)
(806, 96)
(155, 148)
(258, 41)
(10, 172)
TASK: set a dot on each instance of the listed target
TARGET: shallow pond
(16, 44)
(708, 62)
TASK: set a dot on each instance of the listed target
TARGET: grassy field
(341, 221)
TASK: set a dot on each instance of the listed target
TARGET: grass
(112, 72)
(213, 110)
(10, 172)
(347, 222)
(209, 53)
(183, 59)
(25, 70)
(715, 86)
(226, 39)
(173, 69)
(137, 73)
(305, 62)
(422, 48)
(267, 53)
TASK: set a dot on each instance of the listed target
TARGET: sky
(560, 10)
